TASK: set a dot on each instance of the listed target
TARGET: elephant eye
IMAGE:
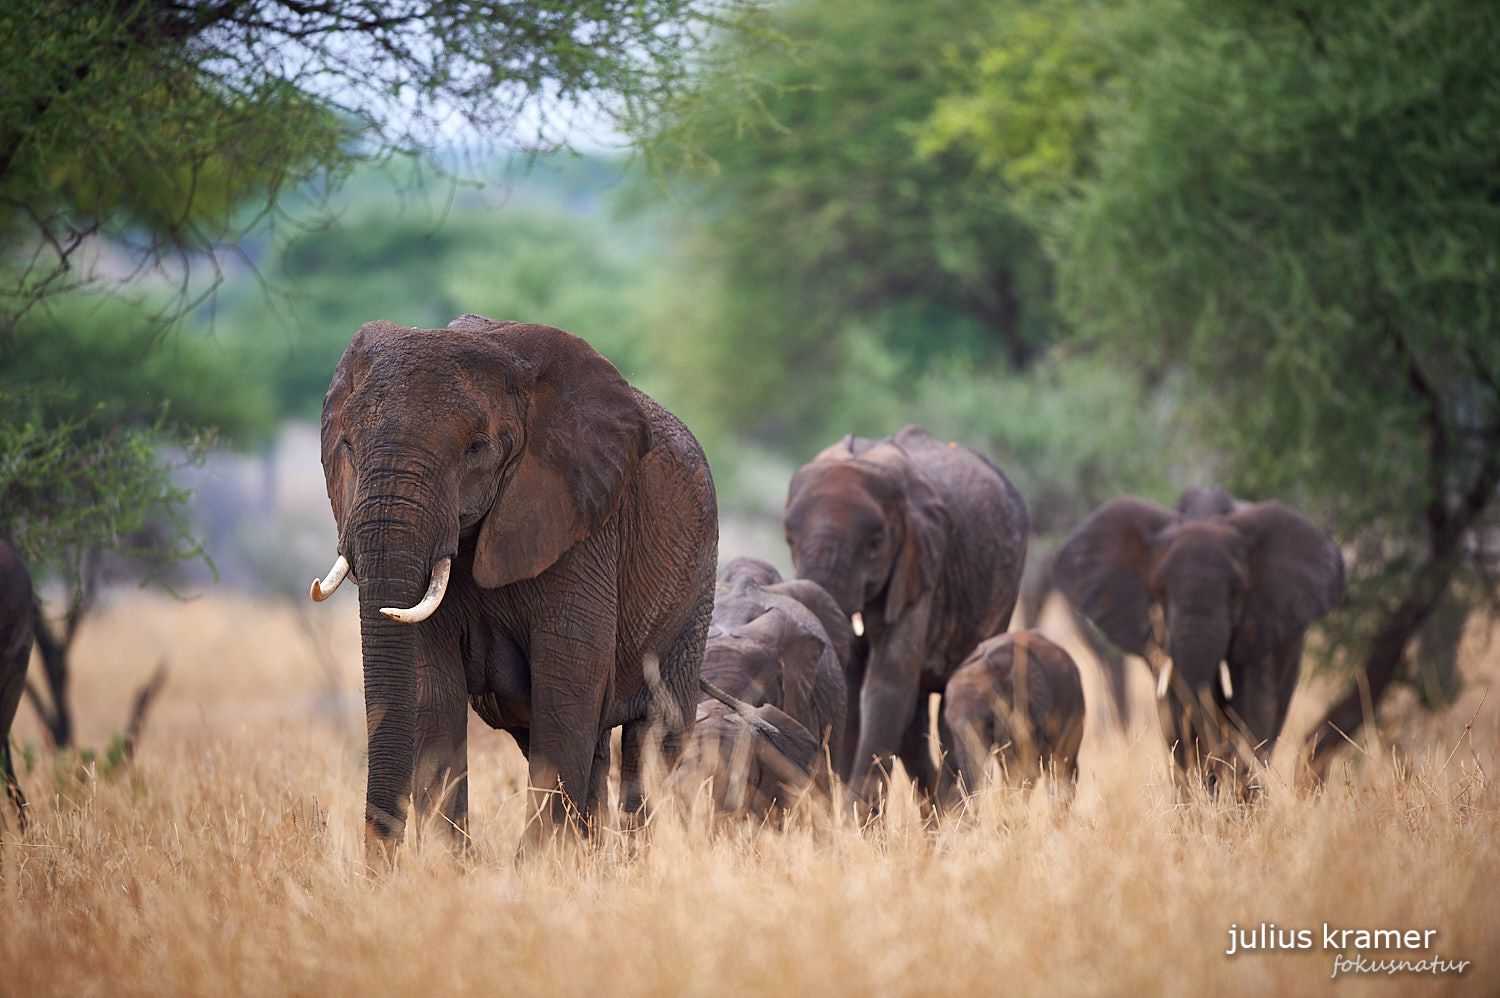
(479, 443)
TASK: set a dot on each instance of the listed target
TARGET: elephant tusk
(857, 621)
(1164, 679)
(1224, 682)
(424, 609)
(324, 587)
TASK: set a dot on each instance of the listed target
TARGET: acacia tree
(141, 140)
(1298, 207)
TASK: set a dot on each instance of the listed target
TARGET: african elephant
(755, 759)
(565, 530)
(1018, 693)
(17, 623)
(767, 645)
(1224, 591)
(920, 543)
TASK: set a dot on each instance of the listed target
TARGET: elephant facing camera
(526, 529)
(1217, 595)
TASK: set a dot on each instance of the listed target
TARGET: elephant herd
(533, 537)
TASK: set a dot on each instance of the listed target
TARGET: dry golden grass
(228, 860)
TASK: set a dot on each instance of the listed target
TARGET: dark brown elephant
(1018, 693)
(564, 528)
(1220, 593)
(17, 624)
(920, 543)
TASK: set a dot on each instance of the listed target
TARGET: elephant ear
(920, 558)
(1104, 568)
(584, 433)
(1294, 575)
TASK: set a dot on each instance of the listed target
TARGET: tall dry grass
(228, 860)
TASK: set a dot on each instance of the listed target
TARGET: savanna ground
(228, 858)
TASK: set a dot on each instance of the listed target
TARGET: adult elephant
(564, 528)
(1220, 593)
(921, 544)
(17, 624)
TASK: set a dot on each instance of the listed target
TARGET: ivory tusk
(324, 587)
(429, 603)
(1224, 682)
(857, 621)
(1164, 679)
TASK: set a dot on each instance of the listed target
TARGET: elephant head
(509, 441)
(1232, 588)
(864, 523)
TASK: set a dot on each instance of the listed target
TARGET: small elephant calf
(1018, 693)
(756, 760)
(774, 700)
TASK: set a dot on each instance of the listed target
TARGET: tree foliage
(169, 128)
(832, 234)
(1297, 207)
(142, 141)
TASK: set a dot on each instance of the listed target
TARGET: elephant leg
(440, 777)
(633, 737)
(669, 717)
(598, 780)
(10, 700)
(916, 748)
(569, 680)
(886, 706)
(954, 778)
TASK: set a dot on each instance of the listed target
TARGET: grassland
(227, 859)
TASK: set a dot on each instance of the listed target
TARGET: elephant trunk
(1198, 643)
(394, 559)
(830, 566)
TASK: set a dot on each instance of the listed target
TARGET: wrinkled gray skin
(1234, 583)
(926, 541)
(17, 623)
(766, 645)
(581, 520)
(774, 709)
(1018, 693)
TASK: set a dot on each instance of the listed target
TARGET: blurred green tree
(1297, 207)
(827, 233)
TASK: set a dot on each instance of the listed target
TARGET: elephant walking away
(920, 543)
(17, 626)
(1220, 593)
(564, 528)
(1019, 694)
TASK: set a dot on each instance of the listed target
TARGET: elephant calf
(774, 694)
(1018, 693)
(756, 760)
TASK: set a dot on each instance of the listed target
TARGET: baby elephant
(1018, 693)
(774, 695)
(756, 760)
